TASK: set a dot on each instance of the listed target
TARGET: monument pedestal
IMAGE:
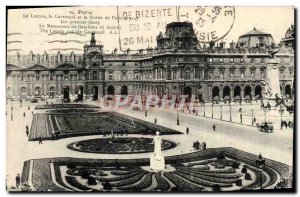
(157, 163)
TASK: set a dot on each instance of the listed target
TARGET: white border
(4, 3)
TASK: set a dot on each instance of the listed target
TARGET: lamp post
(146, 113)
(230, 114)
(281, 111)
(212, 110)
(177, 117)
(260, 165)
(265, 112)
(204, 109)
(221, 112)
(252, 117)
(241, 116)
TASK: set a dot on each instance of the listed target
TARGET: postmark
(210, 23)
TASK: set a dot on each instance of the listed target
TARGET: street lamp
(212, 110)
(230, 113)
(241, 116)
(221, 112)
(265, 112)
(281, 111)
(252, 117)
(177, 117)
(260, 165)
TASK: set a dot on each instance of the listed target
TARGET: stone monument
(157, 161)
(271, 86)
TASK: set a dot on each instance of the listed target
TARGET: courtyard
(243, 137)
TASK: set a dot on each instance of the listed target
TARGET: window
(221, 60)
(201, 73)
(231, 60)
(221, 70)
(95, 75)
(123, 74)
(231, 72)
(242, 70)
(263, 72)
(252, 71)
(281, 70)
(187, 73)
(110, 76)
(174, 73)
(210, 60)
(291, 70)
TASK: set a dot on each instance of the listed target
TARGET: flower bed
(162, 184)
(143, 184)
(129, 181)
(199, 180)
(181, 184)
(73, 182)
(118, 145)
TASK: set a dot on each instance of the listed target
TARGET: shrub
(216, 188)
(248, 176)
(71, 165)
(239, 182)
(174, 189)
(107, 186)
(235, 165)
(244, 170)
(221, 156)
(85, 174)
(91, 181)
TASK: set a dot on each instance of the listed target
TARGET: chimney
(232, 45)
(211, 44)
(222, 45)
(93, 40)
(115, 51)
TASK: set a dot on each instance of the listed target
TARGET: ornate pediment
(66, 66)
(37, 67)
(12, 67)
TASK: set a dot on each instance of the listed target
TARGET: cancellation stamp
(211, 23)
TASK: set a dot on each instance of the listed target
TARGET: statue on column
(157, 161)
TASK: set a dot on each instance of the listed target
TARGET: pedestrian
(187, 130)
(11, 117)
(27, 128)
(32, 112)
(254, 120)
(40, 140)
(28, 108)
(24, 114)
(194, 145)
(214, 127)
(204, 146)
(18, 178)
(155, 121)
(27, 132)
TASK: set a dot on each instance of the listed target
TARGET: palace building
(178, 65)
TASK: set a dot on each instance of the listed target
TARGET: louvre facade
(178, 65)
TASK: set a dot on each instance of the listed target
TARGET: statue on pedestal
(157, 161)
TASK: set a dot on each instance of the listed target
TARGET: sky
(27, 27)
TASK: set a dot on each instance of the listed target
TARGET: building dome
(255, 39)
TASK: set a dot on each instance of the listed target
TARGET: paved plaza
(245, 136)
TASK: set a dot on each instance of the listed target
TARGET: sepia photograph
(157, 99)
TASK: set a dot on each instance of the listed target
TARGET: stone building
(178, 65)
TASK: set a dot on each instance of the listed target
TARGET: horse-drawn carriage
(266, 127)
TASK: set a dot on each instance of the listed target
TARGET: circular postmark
(211, 23)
